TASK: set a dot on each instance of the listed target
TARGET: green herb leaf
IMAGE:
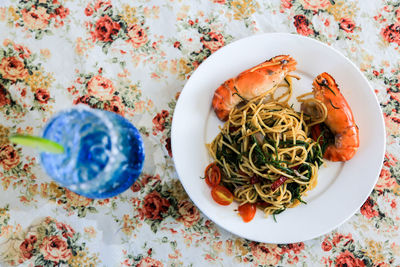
(40, 143)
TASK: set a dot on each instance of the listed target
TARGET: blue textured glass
(104, 152)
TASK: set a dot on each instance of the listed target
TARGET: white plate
(342, 187)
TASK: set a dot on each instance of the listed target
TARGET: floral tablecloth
(133, 58)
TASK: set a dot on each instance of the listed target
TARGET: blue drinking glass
(103, 156)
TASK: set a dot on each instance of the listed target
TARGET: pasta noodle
(265, 153)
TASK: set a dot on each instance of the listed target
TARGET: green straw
(40, 143)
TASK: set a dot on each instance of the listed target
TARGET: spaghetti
(265, 153)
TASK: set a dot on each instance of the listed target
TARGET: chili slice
(277, 183)
(316, 133)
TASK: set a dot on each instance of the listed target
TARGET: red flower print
(82, 100)
(168, 146)
(62, 12)
(42, 95)
(4, 99)
(159, 121)
(213, 41)
(55, 249)
(337, 238)
(219, 1)
(385, 180)
(115, 106)
(189, 213)
(301, 23)
(105, 29)
(154, 206)
(393, 204)
(137, 36)
(100, 3)
(347, 25)
(368, 210)
(296, 247)
(326, 245)
(27, 247)
(149, 262)
(397, 13)
(89, 11)
(9, 157)
(136, 186)
(347, 259)
(177, 44)
(391, 33)
(286, 3)
(145, 179)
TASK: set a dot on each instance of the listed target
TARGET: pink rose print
(315, 5)
(266, 254)
(55, 249)
(13, 69)
(137, 36)
(100, 87)
(36, 18)
(23, 51)
(189, 213)
(9, 157)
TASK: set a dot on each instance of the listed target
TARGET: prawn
(339, 120)
(251, 83)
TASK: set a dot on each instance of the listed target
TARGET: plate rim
(361, 75)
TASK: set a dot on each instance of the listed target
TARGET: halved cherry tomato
(221, 195)
(247, 211)
(212, 174)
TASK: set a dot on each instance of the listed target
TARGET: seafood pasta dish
(267, 154)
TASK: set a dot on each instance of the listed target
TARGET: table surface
(133, 58)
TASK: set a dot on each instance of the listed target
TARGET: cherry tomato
(247, 211)
(221, 195)
(212, 174)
